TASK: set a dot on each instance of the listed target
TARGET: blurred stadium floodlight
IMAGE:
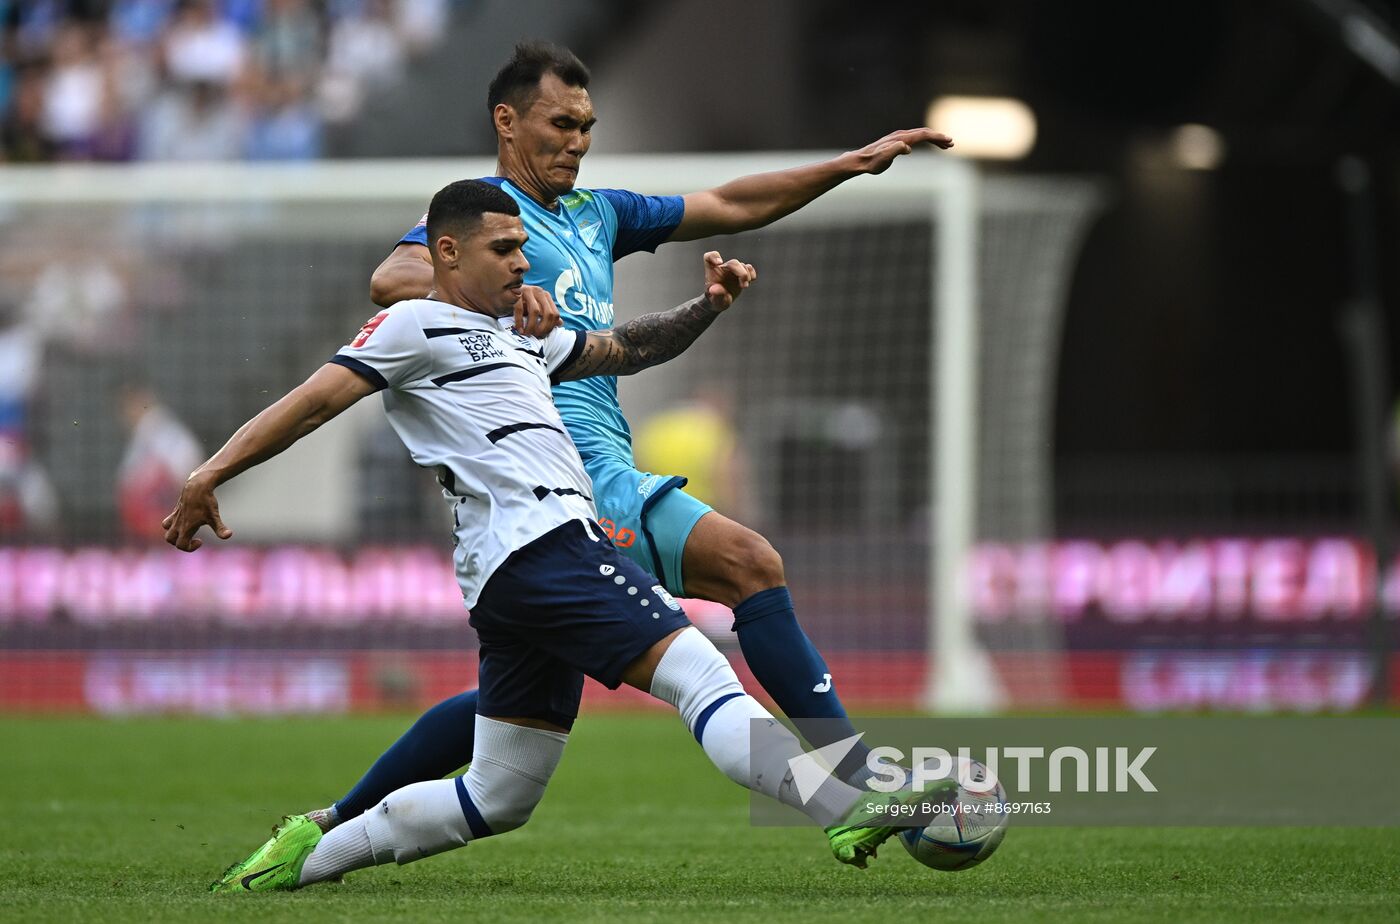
(1197, 147)
(988, 127)
(1365, 34)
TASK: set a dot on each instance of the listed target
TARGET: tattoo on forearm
(643, 342)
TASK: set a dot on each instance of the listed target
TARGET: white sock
(511, 766)
(695, 678)
(417, 821)
(341, 850)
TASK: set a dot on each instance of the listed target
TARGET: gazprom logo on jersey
(573, 300)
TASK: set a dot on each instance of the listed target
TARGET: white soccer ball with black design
(970, 833)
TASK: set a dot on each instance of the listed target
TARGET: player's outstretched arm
(408, 273)
(654, 338)
(754, 201)
(330, 390)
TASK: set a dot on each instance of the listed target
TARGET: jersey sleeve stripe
(501, 433)
(461, 374)
(364, 370)
(581, 337)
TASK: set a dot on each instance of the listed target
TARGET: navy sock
(438, 743)
(786, 664)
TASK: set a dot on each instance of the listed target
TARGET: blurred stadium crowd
(182, 80)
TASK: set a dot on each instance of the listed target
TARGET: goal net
(877, 406)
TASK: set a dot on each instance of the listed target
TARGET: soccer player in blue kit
(551, 597)
(544, 118)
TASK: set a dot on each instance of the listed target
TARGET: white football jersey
(470, 398)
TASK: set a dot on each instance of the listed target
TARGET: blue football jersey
(571, 252)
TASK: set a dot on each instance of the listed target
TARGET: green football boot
(276, 865)
(861, 833)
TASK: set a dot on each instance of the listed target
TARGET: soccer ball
(962, 839)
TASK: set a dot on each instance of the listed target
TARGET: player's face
(554, 133)
(492, 264)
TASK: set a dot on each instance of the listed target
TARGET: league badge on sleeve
(368, 329)
(666, 598)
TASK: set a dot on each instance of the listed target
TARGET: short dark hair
(458, 207)
(517, 83)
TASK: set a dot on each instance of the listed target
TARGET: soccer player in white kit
(552, 600)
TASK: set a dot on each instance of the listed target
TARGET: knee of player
(505, 797)
(511, 817)
(755, 564)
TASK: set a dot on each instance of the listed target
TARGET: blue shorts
(647, 516)
(562, 607)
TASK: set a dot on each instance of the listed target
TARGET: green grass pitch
(130, 821)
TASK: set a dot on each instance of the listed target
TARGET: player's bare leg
(729, 563)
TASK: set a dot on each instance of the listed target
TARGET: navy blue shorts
(564, 606)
